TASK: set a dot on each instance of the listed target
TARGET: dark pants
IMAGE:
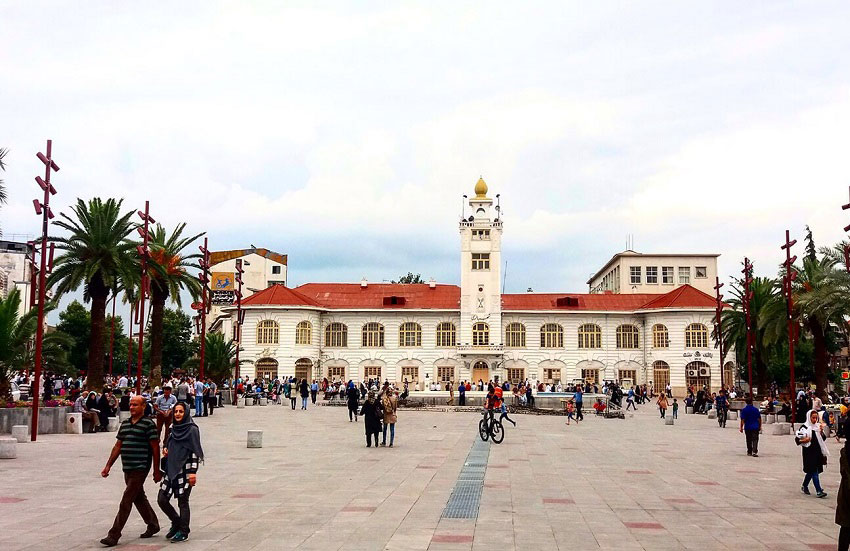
(313, 396)
(630, 404)
(206, 405)
(462, 399)
(134, 494)
(579, 415)
(369, 439)
(352, 412)
(752, 441)
(530, 399)
(844, 538)
(164, 420)
(178, 521)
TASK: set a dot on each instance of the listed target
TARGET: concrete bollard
(8, 448)
(74, 423)
(112, 425)
(668, 420)
(712, 414)
(732, 415)
(769, 418)
(123, 416)
(689, 409)
(781, 429)
(264, 401)
(255, 439)
(240, 402)
(21, 433)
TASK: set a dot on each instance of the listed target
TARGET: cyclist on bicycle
(722, 405)
(500, 395)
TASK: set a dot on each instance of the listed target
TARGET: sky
(345, 134)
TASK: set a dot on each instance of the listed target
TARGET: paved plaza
(606, 483)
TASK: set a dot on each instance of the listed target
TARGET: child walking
(571, 410)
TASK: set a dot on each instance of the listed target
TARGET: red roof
(682, 297)
(278, 294)
(420, 296)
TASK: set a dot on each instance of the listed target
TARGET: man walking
(578, 397)
(163, 406)
(751, 425)
(199, 398)
(314, 390)
(630, 399)
(138, 445)
(461, 389)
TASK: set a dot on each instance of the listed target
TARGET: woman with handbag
(813, 443)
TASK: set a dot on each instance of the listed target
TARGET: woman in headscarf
(389, 403)
(181, 456)
(810, 437)
(842, 509)
(352, 396)
(371, 412)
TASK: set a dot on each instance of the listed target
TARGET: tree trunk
(158, 298)
(821, 356)
(98, 293)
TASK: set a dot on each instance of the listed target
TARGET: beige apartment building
(634, 272)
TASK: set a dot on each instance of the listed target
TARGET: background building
(15, 271)
(633, 272)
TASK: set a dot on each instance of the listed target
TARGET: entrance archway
(698, 374)
(303, 367)
(266, 368)
(481, 370)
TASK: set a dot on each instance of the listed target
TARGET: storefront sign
(697, 354)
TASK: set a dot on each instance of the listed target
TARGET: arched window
(628, 336)
(446, 334)
(268, 332)
(589, 336)
(410, 334)
(660, 375)
(515, 335)
(480, 334)
(660, 338)
(304, 333)
(696, 336)
(372, 335)
(551, 336)
(336, 334)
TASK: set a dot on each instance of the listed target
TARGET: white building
(632, 272)
(419, 332)
(15, 272)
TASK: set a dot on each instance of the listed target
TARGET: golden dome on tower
(481, 189)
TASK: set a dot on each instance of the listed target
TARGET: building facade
(632, 272)
(422, 332)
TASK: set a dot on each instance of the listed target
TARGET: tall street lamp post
(42, 208)
(787, 280)
(719, 327)
(144, 253)
(204, 278)
(748, 296)
(238, 332)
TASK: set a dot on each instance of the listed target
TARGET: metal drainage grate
(466, 495)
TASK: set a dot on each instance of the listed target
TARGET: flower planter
(50, 420)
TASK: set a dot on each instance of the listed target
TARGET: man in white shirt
(122, 382)
(199, 398)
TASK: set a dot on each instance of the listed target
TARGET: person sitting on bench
(80, 407)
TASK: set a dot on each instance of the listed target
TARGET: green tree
(177, 343)
(75, 321)
(16, 334)
(97, 255)
(219, 358)
(410, 278)
(169, 276)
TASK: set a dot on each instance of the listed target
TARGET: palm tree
(16, 334)
(168, 273)
(219, 358)
(762, 306)
(97, 255)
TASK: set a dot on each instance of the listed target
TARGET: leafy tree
(169, 275)
(219, 358)
(410, 278)
(98, 256)
(16, 334)
(75, 321)
(177, 343)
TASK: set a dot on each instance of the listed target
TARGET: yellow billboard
(222, 281)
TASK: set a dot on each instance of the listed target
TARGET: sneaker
(383, 444)
(755, 454)
(171, 533)
(391, 445)
(821, 494)
(805, 490)
(179, 536)
(109, 542)
(750, 453)
(150, 532)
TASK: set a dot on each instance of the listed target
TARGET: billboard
(222, 288)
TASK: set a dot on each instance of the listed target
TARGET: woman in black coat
(372, 414)
(813, 443)
(305, 393)
(352, 397)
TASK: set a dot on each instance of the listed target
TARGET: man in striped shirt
(138, 445)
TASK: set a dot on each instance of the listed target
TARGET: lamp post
(719, 327)
(130, 339)
(42, 208)
(238, 332)
(144, 253)
(112, 333)
(787, 280)
(748, 295)
(204, 279)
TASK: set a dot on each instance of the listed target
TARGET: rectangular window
(480, 261)
(634, 275)
(667, 275)
(551, 375)
(275, 270)
(336, 373)
(445, 373)
(652, 274)
(410, 373)
(372, 372)
(481, 235)
(700, 272)
(684, 274)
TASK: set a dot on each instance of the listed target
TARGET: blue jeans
(199, 405)
(392, 433)
(303, 403)
(814, 477)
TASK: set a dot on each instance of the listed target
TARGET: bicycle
(490, 427)
(722, 415)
